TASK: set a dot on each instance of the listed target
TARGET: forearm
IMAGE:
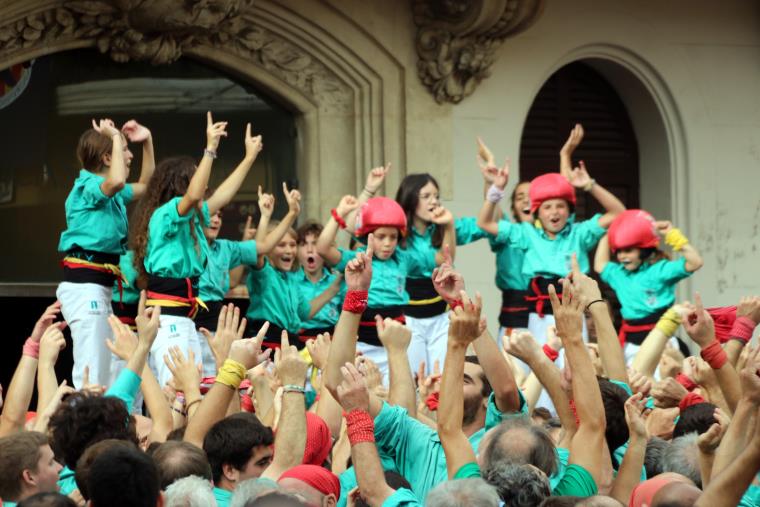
(450, 239)
(139, 357)
(566, 168)
(693, 258)
(727, 488)
(610, 351)
(210, 410)
(532, 389)
(736, 436)
(730, 385)
(47, 385)
(586, 394)
(290, 440)
(274, 237)
(18, 396)
(651, 349)
(330, 411)
(705, 467)
(116, 175)
(486, 220)
(342, 351)
(148, 161)
(607, 199)
(498, 373)
(236, 276)
(549, 376)
(316, 304)
(629, 474)
(369, 472)
(230, 186)
(402, 391)
(733, 350)
(160, 411)
(264, 398)
(326, 242)
(602, 255)
(198, 183)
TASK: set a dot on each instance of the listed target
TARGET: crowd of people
(368, 375)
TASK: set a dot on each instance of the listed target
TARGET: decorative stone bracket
(457, 40)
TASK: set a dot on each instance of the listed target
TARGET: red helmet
(380, 212)
(633, 228)
(550, 186)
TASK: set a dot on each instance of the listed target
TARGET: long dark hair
(170, 179)
(408, 196)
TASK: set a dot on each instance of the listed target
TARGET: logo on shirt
(172, 328)
(93, 305)
(651, 297)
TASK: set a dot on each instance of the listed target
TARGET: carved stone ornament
(160, 31)
(457, 40)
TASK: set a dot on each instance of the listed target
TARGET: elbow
(114, 185)
(694, 265)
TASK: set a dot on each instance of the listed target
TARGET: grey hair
(190, 491)
(251, 489)
(653, 457)
(682, 457)
(519, 485)
(463, 493)
(537, 448)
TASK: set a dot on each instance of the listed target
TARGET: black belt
(424, 301)
(83, 275)
(311, 333)
(273, 336)
(514, 309)
(183, 290)
(629, 333)
(368, 327)
(538, 295)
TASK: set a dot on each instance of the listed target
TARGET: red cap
(318, 440)
(380, 212)
(550, 186)
(633, 228)
(315, 476)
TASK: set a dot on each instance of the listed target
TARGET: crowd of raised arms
(369, 376)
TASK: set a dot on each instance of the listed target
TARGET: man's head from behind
(27, 466)
(517, 441)
(176, 460)
(124, 477)
(317, 486)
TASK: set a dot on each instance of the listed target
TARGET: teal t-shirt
(172, 252)
(223, 255)
(275, 297)
(649, 289)
(468, 471)
(328, 315)
(95, 221)
(388, 286)
(130, 292)
(402, 497)
(577, 481)
(222, 497)
(509, 265)
(552, 257)
(420, 246)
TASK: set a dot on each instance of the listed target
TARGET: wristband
(742, 329)
(689, 400)
(669, 322)
(676, 239)
(594, 301)
(211, 154)
(187, 407)
(338, 218)
(494, 194)
(550, 352)
(230, 374)
(714, 355)
(368, 191)
(355, 302)
(431, 402)
(686, 382)
(293, 388)
(180, 412)
(360, 427)
(456, 303)
(31, 348)
(589, 185)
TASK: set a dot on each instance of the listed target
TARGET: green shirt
(328, 315)
(172, 251)
(402, 497)
(130, 292)
(95, 221)
(649, 289)
(223, 255)
(420, 246)
(577, 481)
(388, 286)
(509, 264)
(552, 257)
(468, 471)
(222, 497)
(275, 297)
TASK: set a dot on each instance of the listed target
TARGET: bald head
(676, 494)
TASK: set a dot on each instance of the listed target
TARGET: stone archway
(347, 92)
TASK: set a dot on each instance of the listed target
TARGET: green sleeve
(494, 416)
(467, 230)
(468, 471)
(125, 387)
(577, 481)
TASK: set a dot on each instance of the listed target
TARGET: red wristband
(689, 400)
(432, 402)
(360, 427)
(550, 352)
(356, 301)
(686, 382)
(456, 303)
(743, 329)
(31, 348)
(714, 355)
(338, 218)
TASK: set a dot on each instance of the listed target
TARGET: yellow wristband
(231, 374)
(676, 239)
(668, 323)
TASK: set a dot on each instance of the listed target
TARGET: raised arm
(249, 234)
(443, 218)
(646, 359)
(198, 183)
(51, 345)
(327, 407)
(602, 255)
(613, 206)
(747, 318)
(374, 180)
(463, 330)
(566, 153)
(137, 133)
(316, 304)
(396, 337)
(224, 193)
(326, 241)
(116, 175)
(290, 441)
(486, 217)
(629, 474)
(266, 205)
(680, 243)
(489, 170)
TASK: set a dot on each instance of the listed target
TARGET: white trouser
(209, 363)
(429, 341)
(86, 307)
(173, 330)
(378, 355)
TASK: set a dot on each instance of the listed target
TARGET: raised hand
(668, 393)
(394, 336)
(441, 216)
(376, 177)
(750, 378)
(584, 287)
(266, 204)
(579, 177)
(523, 346)
(368, 368)
(663, 226)
(552, 339)
(464, 320)
(486, 162)
(228, 329)
(51, 345)
(749, 307)
(319, 349)
(253, 144)
(288, 363)
(352, 391)
(358, 272)
(699, 324)
(634, 415)
(90, 388)
(249, 232)
(427, 385)
(502, 177)
(639, 383)
(568, 313)
(135, 132)
(573, 140)
(147, 321)
(184, 371)
(46, 320)
(124, 340)
(247, 351)
(293, 197)
(214, 132)
(709, 441)
(105, 127)
(347, 204)
(448, 283)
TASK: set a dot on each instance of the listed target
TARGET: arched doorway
(577, 93)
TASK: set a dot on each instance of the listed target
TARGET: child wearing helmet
(386, 220)
(643, 278)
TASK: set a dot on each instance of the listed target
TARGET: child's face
(427, 201)
(212, 231)
(630, 258)
(521, 203)
(283, 256)
(308, 256)
(384, 242)
(553, 214)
